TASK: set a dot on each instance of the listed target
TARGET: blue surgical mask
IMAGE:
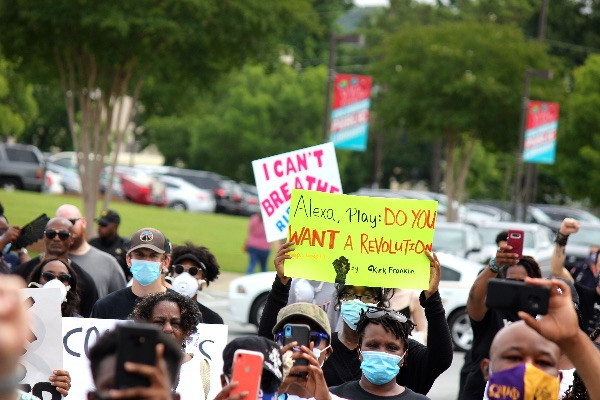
(380, 367)
(351, 312)
(145, 272)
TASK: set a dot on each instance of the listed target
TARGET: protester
(316, 292)
(522, 363)
(426, 362)
(190, 268)
(15, 335)
(383, 348)
(162, 375)
(487, 322)
(256, 246)
(105, 270)
(589, 298)
(502, 239)
(178, 316)
(58, 238)
(407, 302)
(54, 272)
(577, 390)
(272, 374)
(109, 241)
(147, 258)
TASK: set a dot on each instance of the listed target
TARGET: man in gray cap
(147, 258)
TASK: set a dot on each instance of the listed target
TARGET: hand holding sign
(434, 274)
(280, 257)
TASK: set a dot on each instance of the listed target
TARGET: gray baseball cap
(149, 238)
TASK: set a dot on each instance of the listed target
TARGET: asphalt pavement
(215, 297)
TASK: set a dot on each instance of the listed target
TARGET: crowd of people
(361, 342)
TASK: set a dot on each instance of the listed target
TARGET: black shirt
(87, 288)
(353, 390)
(423, 363)
(117, 248)
(483, 335)
(589, 307)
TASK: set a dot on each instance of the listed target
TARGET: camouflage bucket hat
(308, 311)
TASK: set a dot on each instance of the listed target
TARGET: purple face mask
(525, 381)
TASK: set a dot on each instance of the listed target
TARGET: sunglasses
(74, 220)
(365, 298)
(62, 235)
(315, 337)
(375, 313)
(64, 278)
(180, 269)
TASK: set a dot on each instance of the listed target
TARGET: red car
(141, 188)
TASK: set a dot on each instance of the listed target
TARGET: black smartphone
(136, 343)
(507, 294)
(297, 333)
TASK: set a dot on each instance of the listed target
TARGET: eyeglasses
(73, 220)
(180, 269)
(315, 337)
(64, 278)
(378, 313)
(365, 298)
(62, 235)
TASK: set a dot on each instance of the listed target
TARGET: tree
(102, 52)
(17, 104)
(459, 81)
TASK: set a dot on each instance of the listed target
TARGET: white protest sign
(43, 352)
(80, 334)
(313, 168)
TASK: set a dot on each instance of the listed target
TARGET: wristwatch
(22, 251)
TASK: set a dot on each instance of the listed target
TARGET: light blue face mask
(145, 272)
(351, 310)
(380, 367)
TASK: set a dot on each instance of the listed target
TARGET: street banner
(350, 113)
(43, 352)
(365, 241)
(312, 168)
(540, 132)
(80, 334)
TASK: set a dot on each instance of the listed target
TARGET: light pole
(333, 41)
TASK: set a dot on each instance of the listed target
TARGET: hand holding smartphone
(247, 371)
(515, 240)
(506, 294)
(297, 333)
(137, 344)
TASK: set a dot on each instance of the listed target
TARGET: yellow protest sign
(361, 241)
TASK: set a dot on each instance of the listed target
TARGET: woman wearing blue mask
(382, 348)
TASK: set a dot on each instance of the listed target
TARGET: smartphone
(297, 333)
(507, 294)
(136, 343)
(247, 371)
(515, 240)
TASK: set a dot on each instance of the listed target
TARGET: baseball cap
(308, 311)
(107, 216)
(149, 238)
(272, 365)
(190, 257)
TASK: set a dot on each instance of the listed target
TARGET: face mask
(351, 312)
(185, 284)
(380, 367)
(56, 284)
(317, 352)
(525, 381)
(145, 272)
(9, 245)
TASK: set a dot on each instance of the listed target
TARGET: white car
(248, 295)
(461, 240)
(183, 196)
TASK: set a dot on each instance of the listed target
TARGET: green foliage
(17, 104)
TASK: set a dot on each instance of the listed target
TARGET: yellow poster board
(361, 241)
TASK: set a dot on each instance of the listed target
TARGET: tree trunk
(466, 151)
(436, 167)
(450, 145)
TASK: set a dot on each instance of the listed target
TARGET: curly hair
(401, 330)
(383, 295)
(190, 313)
(578, 391)
(69, 308)
(530, 265)
(203, 254)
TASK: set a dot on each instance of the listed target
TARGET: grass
(224, 235)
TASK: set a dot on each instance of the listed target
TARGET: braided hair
(401, 330)
(578, 391)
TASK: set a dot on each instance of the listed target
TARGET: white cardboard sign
(312, 168)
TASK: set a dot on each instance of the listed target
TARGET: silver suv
(21, 167)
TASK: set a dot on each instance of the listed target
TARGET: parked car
(64, 165)
(537, 241)
(21, 167)
(250, 201)
(459, 239)
(183, 196)
(248, 295)
(52, 183)
(478, 213)
(556, 214)
(578, 245)
(140, 187)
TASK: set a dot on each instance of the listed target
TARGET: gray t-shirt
(103, 267)
(322, 294)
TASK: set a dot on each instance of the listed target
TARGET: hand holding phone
(299, 333)
(515, 240)
(506, 294)
(136, 344)
(247, 371)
